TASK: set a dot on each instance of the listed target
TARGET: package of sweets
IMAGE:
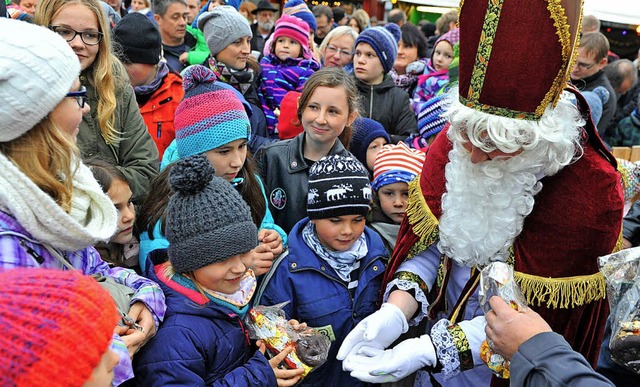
(621, 271)
(269, 324)
(497, 280)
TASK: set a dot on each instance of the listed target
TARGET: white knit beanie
(37, 70)
(223, 26)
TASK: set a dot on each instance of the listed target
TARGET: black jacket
(390, 106)
(257, 41)
(285, 174)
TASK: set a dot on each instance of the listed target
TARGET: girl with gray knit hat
(228, 37)
(208, 286)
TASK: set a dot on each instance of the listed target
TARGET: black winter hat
(139, 39)
(207, 219)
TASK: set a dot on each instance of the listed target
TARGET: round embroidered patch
(278, 198)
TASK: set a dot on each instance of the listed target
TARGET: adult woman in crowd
(337, 48)
(52, 210)
(411, 59)
(355, 24)
(114, 130)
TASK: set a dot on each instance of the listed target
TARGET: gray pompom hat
(207, 219)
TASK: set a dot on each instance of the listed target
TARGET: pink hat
(294, 28)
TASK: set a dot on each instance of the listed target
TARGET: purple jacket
(278, 78)
(19, 249)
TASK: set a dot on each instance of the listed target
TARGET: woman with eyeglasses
(52, 210)
(114, 130)
(337, 48)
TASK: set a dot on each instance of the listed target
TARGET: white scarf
(93, 217)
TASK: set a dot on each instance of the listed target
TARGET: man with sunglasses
(588, 73)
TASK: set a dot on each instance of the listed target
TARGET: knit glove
(378, 330)
(374, 365)
(415, 68)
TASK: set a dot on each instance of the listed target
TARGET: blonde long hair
(105, 74)
(48, 157)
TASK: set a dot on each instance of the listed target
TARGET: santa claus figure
(520, 176)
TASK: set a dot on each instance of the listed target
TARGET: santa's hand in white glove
(374, 365)
(378, 330)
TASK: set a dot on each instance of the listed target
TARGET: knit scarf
(343, 262)
(163, 70)
(238, 302)
(92, 217)
(242, 80)
(405, 81)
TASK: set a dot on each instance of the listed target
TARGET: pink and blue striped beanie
(209, 115)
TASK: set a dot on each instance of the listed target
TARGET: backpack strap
(257, 297)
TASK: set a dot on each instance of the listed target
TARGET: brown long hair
(46, 155)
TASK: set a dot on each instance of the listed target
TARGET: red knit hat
(288, 124)
(514, 63)
(56, 326)
(294, 28)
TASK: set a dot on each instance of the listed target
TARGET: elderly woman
(52, 210)
(337, 48)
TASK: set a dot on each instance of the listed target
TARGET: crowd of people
(169, 164)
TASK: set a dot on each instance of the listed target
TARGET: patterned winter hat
(452, 36)
(209, 115)
(365, 130)
(396, 163)
(56, 326)
(338, 185)
(207, 219)
(384, 41)
(294, 28)
(223, 26)
(299, 9)
(37, 70)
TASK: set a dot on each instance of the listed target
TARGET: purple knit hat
(209, 115)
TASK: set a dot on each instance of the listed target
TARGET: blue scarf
(343, 262)
(163, 70)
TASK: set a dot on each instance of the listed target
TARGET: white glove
(373, 365)
(378, 330)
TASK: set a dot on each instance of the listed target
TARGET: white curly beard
(485, 205)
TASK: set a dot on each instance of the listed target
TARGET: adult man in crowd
(623, 76)
(171, 16)
(511, 191)
(339, 16)
(263, 29)
(193, 7)
(324, 22)
(590, 23)
(397, 16)
(588, 73)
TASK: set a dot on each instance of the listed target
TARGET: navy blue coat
(320, 298)
(199, 344)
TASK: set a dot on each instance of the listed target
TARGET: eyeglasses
(585, 66)
(90, 38)
(342, 53)
(80, 96)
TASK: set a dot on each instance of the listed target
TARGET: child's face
(137, 5)
(373, 150)
(326, 114)
(120, 194)
(102, 375)
(224, 276)
(341, 232)
(287, 48)
(228, 159)
(393, 200)
(442, 55)
(367, 65)
(236, 54)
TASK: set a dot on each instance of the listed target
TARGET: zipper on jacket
(32, 252)
(168, 99)
(159, 129)
(371, 102)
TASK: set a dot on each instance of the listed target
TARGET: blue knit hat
(596, 100)
(209, 115)
(299, 9)
(365, 130)
(384, 41)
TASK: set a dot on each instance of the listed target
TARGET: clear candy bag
(621, 271)
(497, 280)
(269, 324)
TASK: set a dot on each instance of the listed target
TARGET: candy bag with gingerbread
(621, 271)
(269, 324)
(497, 280)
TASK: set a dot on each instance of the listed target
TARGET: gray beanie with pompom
(207, 219)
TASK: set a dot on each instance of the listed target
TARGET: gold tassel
(619, 244)
(564, 293)
(424, 223)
